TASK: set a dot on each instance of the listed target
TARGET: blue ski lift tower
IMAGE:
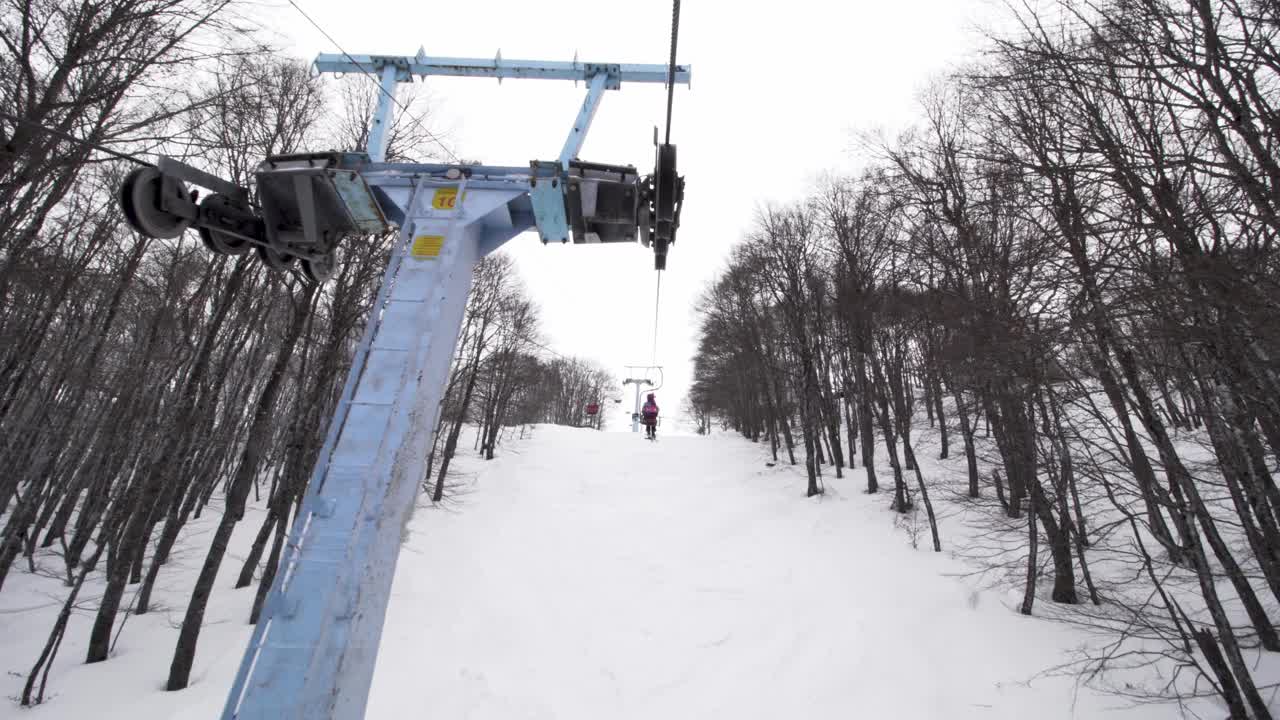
(312, 653)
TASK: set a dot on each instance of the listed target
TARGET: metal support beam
(498, 67)
(181, 170)
(573, 144)
(380, 133)
(312, 654)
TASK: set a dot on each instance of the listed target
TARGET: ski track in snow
(595, 575)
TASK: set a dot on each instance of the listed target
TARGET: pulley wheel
(275, 259)
(140, 196)
(644, 222)
(220, 242)
(321, 269)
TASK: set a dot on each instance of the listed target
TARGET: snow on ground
(596, 575)
(591, 575)
(129, 685)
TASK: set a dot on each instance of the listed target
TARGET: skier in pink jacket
(649, 416)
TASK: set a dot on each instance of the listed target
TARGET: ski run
(586, 574)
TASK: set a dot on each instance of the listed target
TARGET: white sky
(779, 89)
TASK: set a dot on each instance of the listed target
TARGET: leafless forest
(1068, 272)
(142, 381)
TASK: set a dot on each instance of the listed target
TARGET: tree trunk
(1033, 568)
(150, 484)
(238, 492)
(970, 449)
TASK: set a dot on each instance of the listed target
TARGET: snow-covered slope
(587, 575)
(597, 575)
(129, 685)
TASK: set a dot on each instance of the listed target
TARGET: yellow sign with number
(445, 198)
(427, 246)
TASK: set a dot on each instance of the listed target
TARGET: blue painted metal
(498, 67)
(312, 654)
(547, 196)
(573, 144)
(380, 132)
(483, 176)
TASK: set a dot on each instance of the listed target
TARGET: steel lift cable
(671, 86)
(657, 298)
(546, 349)
(417, 120)
(537, 344)
(119, 155)
(294, 272)
(79, 141)
(671, 78)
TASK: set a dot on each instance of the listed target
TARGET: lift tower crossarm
(499, 67)
(549, 207)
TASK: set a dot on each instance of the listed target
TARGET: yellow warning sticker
(445, 198)
(427, 246)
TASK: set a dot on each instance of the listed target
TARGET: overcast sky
(779, 91)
